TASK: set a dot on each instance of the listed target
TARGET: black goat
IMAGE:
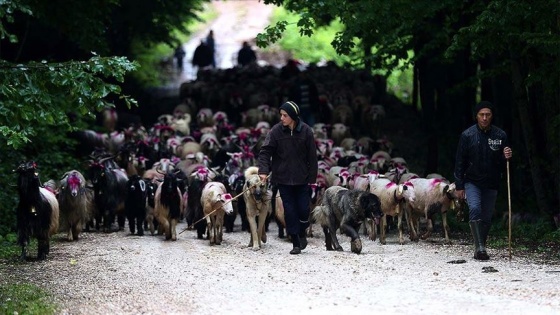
(109, 185)
(37, 211)
(236, 182)
(151, 222)
(169, 204)
(135, 203)
(194, 208)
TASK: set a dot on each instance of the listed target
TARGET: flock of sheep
(189, 165)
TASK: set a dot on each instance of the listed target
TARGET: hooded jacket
(291, 155)
(480, 158)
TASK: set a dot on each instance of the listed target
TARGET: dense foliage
(318, 49)
(59, 67)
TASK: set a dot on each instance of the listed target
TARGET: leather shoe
(295, 251)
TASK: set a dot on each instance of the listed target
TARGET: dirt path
(122, 274)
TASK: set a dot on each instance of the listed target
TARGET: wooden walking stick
(509, 206)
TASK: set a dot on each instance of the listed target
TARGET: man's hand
(507, 153)
(263, 177)
(460, 194)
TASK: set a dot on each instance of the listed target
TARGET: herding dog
(346, 209)
(258, 202)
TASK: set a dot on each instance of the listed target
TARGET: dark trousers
(296, 199)
(481, 202)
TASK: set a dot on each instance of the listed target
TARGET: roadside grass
(25, 299)
(21, 298)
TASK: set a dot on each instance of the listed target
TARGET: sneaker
(295, 251)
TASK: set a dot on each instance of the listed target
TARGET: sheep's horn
(106, 158)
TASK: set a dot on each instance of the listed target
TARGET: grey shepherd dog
(346, 209)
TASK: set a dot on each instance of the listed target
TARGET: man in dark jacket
(481, 154)
(202, 56)
(246, 55)
(290, 155)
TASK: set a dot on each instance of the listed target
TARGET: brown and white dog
(258, 202)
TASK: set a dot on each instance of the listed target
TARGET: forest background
(59, 67)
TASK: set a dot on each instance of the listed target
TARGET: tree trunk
(527, 126)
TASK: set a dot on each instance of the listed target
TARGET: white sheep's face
(408, 192)
(225, 200)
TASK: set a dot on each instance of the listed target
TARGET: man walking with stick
(481, 154)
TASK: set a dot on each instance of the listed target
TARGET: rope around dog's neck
(232, 199)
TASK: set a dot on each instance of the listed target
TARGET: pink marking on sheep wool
(435, 181)
(389, 185)
(73, 181)
(409, 184)
(227, 196)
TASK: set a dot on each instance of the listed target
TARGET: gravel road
(119, 273)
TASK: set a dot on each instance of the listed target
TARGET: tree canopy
(63, 61)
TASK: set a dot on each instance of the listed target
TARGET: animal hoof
(263, 238)
(357, 246)
(339, 249)
(256, 248)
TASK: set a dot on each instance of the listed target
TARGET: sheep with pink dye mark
(392, 197)
(338, 176)
(74, 204)
(433, 196)
(216, 203)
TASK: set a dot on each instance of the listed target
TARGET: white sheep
(216, 203)
(433, 195)
(338, 176)
(181, 124)
(391, 196)
(339, 132)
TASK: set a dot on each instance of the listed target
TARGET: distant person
(246, 55)
(202, 56)
(179, 54)
(212, 46)
(290, 69)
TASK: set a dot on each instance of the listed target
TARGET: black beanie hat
(291, 109)
(481, 105)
